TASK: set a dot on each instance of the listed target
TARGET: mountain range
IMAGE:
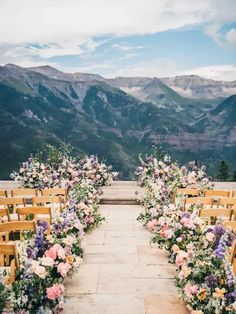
(190, 116)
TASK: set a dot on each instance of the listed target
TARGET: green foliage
(4, 295)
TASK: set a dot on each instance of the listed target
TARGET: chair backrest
(227, 202)
(3, 193)
(210, 215)
(12, 202)
(4, 214)
(9, 257)
(26, 193)
(201, 201)
(48, 200)
(233, 257)
(15, 227)
(188, 192)
(231, 224)
(54, 192)
(219, 193)
(25, 212)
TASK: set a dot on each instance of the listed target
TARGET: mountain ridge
(96, 116)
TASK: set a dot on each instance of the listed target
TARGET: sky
(154, 38)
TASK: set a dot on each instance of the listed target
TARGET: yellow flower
(202, 294)
(70, 259)
(219, 293)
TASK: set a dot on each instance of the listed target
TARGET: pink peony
(52, 253)
(180, 258)
(151, 225)
(63, 268)
(55, 291)
(190, 290)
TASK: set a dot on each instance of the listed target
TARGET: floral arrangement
(201, 253)
(45, 262)
(83, 178)
(161, 178)
(60, 169)
(55, 252)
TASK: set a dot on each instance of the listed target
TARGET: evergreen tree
(223, 174)
(234, 176)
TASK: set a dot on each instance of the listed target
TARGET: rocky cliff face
(117, 119)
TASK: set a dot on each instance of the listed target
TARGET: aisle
(122, 274)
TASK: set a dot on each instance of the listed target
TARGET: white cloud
(223, 72)
(66, 27)
(158, 68)
(231, 37)
(125, 47)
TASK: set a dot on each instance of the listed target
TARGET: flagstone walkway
(122, 273)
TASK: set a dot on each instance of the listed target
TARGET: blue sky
(122, 38)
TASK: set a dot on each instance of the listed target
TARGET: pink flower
(210, 236)
(180, 258)
(151, 225)
(55, 291)
(185, 221)
(190, 290)
(52, 253)
(63, 268)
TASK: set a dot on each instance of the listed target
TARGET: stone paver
(122, 272)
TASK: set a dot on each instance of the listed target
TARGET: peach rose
(55, 291)
(63, 268)
(38, 270)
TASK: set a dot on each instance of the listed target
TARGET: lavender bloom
(30, 253)
(224, 243)
(184, 170)
(211, 281)
(43, 224)
(185, 215)
(149, 159)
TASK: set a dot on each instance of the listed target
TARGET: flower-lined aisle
(47, 258)
(201, 253)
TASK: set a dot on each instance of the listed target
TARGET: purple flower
(219, 230)
(185, 215)
(184, 170)
(149, 159)
(211, 281)
(43, 224)
(203, 168)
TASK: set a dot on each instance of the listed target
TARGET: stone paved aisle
(122, 273)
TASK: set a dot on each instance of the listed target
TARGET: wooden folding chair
(16, 227)
(203, 202)
(3, 193)
(56, 202)
(55, 192)
(4, 215)
(227, 202)
(35, 212)
(24, 193)
(233, 257)
(12, 203)
(210, 215)
(230, 224)
(8, 252)
(217, 193)
(187, 192)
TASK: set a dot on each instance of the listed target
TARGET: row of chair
(206, 193)
(30, 193)
(209, 202)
